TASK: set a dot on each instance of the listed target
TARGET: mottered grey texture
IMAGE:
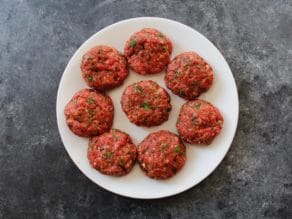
(37, 177)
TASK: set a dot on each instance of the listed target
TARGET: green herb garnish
(90, 100)
(89, 59)
(90, 78)
(138, 88)
(145, 105)
(108, 155)
(177, 74)
(133, 43)
(197, 106)
(177, 149)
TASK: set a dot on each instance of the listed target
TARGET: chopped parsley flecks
(197, 106)
(145, 105)
(178, 150)
(108, 155)
(133, 43)
(90, 78)
(90, 100)
(138, 88)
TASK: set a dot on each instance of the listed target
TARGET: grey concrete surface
(38, 179)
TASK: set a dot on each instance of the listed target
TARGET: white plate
(201, 161)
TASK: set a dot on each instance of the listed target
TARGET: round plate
(201, 160)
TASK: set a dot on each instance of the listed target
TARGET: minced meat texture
(148, 51)
(161, 154)
(146, 103)
(199, 122)
(188, 75)
(112, 153)
(104, 68)
(89, 113)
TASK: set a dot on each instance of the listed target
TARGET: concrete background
(38, 179)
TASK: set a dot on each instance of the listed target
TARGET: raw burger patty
(188, 75)
(161, 154)
(104, 68)
(199, 122)
(89, 113)
(146, 103)
(112, 153)
(148, 51)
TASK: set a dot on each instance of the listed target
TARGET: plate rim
(165, 20)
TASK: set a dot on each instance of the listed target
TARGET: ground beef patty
(89, 113)
(146, 103)
(148, 51)
(161, 154)
(103, 68)
(112, 153)
(188, 75)
(199, 122)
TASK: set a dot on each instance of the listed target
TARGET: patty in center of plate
(146, 103)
